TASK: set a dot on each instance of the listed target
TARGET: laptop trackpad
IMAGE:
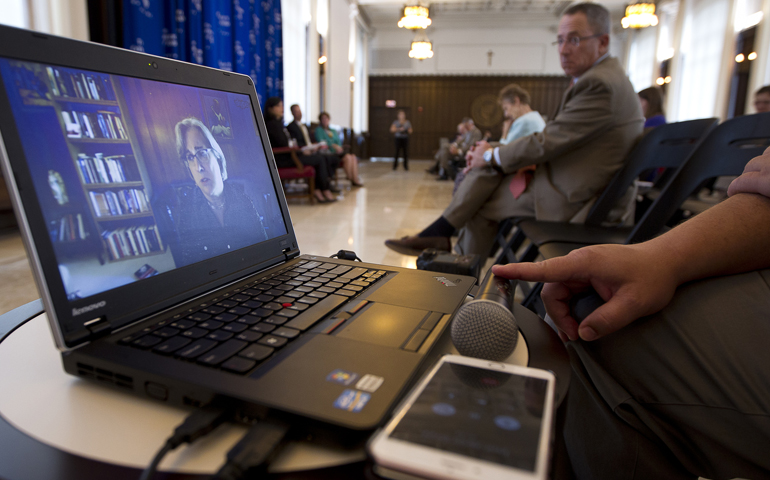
(383, 324)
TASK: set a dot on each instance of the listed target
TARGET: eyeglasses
(202, 154)
(574, 41)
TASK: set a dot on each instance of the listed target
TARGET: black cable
(253, 453)
(345, 255)
(197, 424)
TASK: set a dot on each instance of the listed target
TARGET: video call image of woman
(215, 217)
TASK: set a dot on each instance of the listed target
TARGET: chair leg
(508, 253)
(502, 233)
(311, 189)
(530, 254)
(533, 301)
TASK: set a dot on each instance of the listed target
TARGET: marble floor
(391, 204)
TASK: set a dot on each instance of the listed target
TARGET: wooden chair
(300, 172)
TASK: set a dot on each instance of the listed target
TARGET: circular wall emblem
(485, 111)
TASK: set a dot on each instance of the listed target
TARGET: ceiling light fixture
(415, 17)
(421, 47)
(640, 15)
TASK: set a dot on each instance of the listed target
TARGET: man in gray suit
(469, 134)
(576, 155)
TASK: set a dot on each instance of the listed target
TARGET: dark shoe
(414, 245)
(356, 184)
(442, 178)
(433, 170)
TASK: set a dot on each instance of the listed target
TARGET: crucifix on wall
(489, 57)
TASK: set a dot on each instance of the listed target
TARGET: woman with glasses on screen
(216, 216)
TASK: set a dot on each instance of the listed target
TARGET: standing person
(324, 133)
(652, 107)
(401, 128)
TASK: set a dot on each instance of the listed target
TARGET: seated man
(672, 376)
(467, 136)
(762, 99)
(576, 155)
(301, 134)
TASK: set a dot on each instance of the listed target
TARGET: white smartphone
(471, 419)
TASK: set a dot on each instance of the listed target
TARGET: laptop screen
(138, 177)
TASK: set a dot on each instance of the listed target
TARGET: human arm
(755, 177)
(393, 127)
(506, 128)
(639, 280)
(409, 129)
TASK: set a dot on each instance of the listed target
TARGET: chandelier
(640, 15)
(415, 17)
(421, 47)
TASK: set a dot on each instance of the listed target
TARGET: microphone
(584, 303)
(485, 327)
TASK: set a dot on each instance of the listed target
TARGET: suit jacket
(468, 140)
(296, 133)
(578, 152)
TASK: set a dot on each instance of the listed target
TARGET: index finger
(558, 269)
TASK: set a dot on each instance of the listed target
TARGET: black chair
(724, 152)
(667, 146)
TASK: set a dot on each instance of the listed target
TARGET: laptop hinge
(289, 253)
(99, 327)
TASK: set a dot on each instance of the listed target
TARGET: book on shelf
(132, 241)
(122, 202)
(101, 169)
(68, 228)
(68, 83)
(97, 125)
(71, 125)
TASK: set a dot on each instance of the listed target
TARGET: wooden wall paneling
(436, 104)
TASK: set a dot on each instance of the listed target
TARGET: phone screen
(480, 413)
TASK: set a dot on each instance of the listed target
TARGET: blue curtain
(242, 36)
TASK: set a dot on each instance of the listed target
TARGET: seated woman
(216, 216)
(279, 137)
(652, 107)
(331, 137)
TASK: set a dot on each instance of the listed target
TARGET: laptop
(162, 245)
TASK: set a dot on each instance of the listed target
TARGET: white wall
(464, 51)
(67, 18)
(338, 67)
(296, 15)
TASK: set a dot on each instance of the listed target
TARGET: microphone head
(485, 329)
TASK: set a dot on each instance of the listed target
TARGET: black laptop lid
(143, 181)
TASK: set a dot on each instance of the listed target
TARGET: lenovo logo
(88, 308)
(446, 282)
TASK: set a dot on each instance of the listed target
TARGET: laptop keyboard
(238, 329)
